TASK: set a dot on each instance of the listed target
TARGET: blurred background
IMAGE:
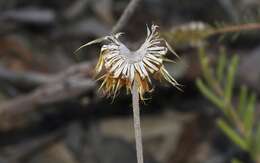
(51, 109)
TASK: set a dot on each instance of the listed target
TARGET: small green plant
(238, 122)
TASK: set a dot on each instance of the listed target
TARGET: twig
(137, 123)
(237, 28)
(32, 79)
(24, 78)
(25, 150)
(70, 83)
(75, 9)
(128, 12)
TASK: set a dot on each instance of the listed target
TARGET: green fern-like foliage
(238, 122)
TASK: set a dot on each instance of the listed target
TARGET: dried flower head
(121, 67)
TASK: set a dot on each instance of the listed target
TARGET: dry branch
(70, 83)
(24, 78)
(58, 87)
(128, 12)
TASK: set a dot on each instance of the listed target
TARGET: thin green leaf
(222, 37)
(242, 100)
(207, 93)
(230, 79)
(235, 36)
(221, 65)
(234, 136)
(248, 118)
(202, 57)
(257, 140)
(206, 70)
(236, 161)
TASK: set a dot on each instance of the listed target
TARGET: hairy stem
(137, 123)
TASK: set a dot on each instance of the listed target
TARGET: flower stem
(137, 123)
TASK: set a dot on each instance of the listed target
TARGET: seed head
(119, 67)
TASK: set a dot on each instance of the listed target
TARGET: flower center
(130, 56)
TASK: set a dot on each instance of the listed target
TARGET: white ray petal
(158, 53)
(153, 59)
(111, 54)
(144, 71)
(148, 63)
(149, 68)
(137, 67)
(126, 67)
(156, 48)
(119, 70)
(113, 46)
(132, 73)
(148, 30)
(154, 43)
(110, 62)
(117, 35)
(117, 64)
(141, 64)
